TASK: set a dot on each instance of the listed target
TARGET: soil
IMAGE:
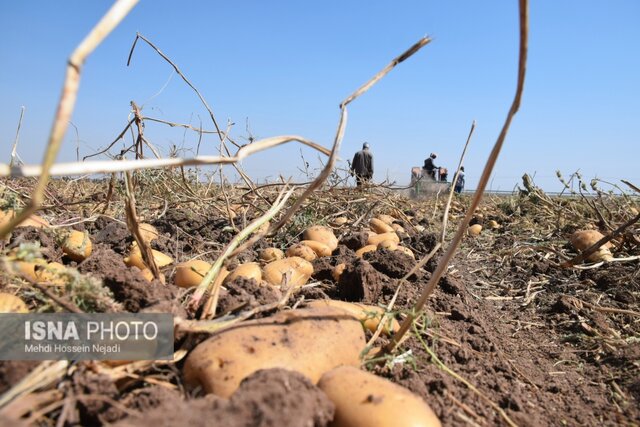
(267, 398)
(507, 332)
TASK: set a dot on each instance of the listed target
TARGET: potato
(300, 270)
(387, 219)
(135, 258)
(583, 239)
(10, 303)
(50, 273)
(474, 230)
(271, 254)
(398, 228)
(369, 315)
(374, 239)
(493, 224)
(336, 272)
(190, 273)
(149, 232)
(148, 275)
(32, 221)
(339, 221)
(77, 245)
(249, 270)
(309, 341)
(363, 250)
(302, 251)
(406, 251)
(321, 234)
(379, 226)
(26, 270)
(389, 245)
(365, 400)
(319, 248)
(633, 211)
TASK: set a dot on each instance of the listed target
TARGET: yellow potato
(50, 273)
(474, 230)
(633, 211)
(339, 221)
(148, 232)
(363, 250)
(389, 245)
(406, 251)
(309, 341)
(135, 258)
(190, 273)
(249, 270)
(387, 219)
(583, 239)
(148, 275)
(369, 315)
(379, 226)
(302, 251)
(374, 239)
(77, 245)
(337, 271)
(398, 228)
(301, 270)
(319, 248)
(493, 224)
(10, 303)
(365, 400)
(271, 254)
(321, 234)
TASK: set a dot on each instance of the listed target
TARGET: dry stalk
(109, 21)
(41, 376)
(15, 159)
(134, 227)
(462, 228)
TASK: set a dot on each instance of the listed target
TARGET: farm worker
(362, 165)
(430, 167)
(460, 181)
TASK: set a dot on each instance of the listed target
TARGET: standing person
(430, 167)
(460, 181)
(362, 165)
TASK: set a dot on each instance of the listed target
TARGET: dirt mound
(12, 371)
(361, 282)
(245, 294)
(395, 264)
(113, 234)
(127, 284)
(273, 397)
(48, 247)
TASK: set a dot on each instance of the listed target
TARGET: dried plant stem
(111, 19)
(41, 376)
(445, 216)
(482, 184)
(134, 227)
(15, 159)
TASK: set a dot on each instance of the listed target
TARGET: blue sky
(285, 66)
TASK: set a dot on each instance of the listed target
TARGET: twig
(484, 179)
(62, 302)
(118, 11)
(15, 159)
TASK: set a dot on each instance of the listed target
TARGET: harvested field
(509, 335)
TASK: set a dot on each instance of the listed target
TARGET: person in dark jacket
(460, 181)
(430, 167)
(362, 165)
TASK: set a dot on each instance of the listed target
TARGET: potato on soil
(190, 273)
(302, 251)
(135, 258)
(319, 248)
(77, 245)
(364, 400)
(379, 226)
(474, 230)
(148, 275)
(321, 234)
(583, 239)
(301, 270)
(10, 303)
(32, 221)
(406, 251)
(387, 219)
(337, 271)
(389, 245)
(149, 232)
(398, 228)
(339, 221)
(249, 270)
(50, 273)
(309, 341)
(363, 250)
(271, 254)
(374, 239)
(369, 315)
(493, 224)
